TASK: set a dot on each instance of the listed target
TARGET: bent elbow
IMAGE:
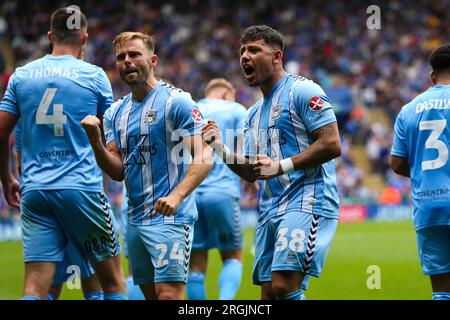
(117, 178)
(334, 149)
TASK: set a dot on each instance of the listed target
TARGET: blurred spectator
(390, 196)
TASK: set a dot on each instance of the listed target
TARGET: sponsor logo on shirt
(315, 104)
(196, 115)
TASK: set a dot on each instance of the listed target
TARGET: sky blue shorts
(73, 260)
(294, 241)
(219, 223)
(434, 249)
(53, 218)
(159, 253)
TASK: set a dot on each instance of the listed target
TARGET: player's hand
(11, 191)
(264, 168)
(212, 136)
(91, 124)
(167, 206)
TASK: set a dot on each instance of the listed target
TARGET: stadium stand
(369, 74)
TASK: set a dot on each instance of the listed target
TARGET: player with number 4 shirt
(61, 196)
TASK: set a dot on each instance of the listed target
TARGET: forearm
(243, 170)
(237, 163)
(109, 162)
(195, 174)
(5, 172)
(316, 154)
(400, 166)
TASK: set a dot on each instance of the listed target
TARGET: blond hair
(219, 82)
(126, 36)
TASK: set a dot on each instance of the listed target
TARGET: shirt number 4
(58, 119)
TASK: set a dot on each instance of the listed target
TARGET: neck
(62, 50)
(139, 91)
(266, 87)
(215, 96)
(443, 82)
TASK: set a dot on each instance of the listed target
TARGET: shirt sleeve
(250, 137)
(241, 114)
(313, 105)
(239, 124)
(9, 101)
(18, 137)
(108, 127)
(187, 118)
(104, 92)
(399, 146)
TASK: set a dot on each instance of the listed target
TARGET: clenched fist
(212, 136)
(91, 124)
(167, 206)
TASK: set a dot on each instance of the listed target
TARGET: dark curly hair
(440, 59)
(266, 33)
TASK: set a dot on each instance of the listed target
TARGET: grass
(389, 245)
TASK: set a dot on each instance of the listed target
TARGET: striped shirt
(148, 135)
(279, 126)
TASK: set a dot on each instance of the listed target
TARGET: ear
(49, 36)
(433, 77)
(84, 37)
(278, 56)
(154, 60)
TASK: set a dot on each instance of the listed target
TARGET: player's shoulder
(178, 95)
(254, 108)
(410, 107)
(238, 109)
(172, 90)
(235, 105)
(89, 68)
(304, 87)
(24, 69)
(116, 105)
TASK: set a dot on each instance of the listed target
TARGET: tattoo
(326, 132)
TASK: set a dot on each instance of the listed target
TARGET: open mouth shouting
(249, 71)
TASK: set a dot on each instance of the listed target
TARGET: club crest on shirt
(276, 112)
(196, 115)
(315, 104)
(150, 117)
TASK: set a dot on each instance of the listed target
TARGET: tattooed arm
(326, 146)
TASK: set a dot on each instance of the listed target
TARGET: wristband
(287, 165)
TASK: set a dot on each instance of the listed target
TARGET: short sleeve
(399, 145)
(241, 114)
(108, 127)
(250, 137)
(312, 105)
(9, 102)
(18, 136)
(185, 115)
(104, 92)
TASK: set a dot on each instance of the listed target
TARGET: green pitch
(389, 245)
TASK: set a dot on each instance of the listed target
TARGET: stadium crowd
(358, 68)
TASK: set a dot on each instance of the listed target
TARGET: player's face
(135, 62)
(257, 62)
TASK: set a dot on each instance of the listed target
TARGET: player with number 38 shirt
(420, 151)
